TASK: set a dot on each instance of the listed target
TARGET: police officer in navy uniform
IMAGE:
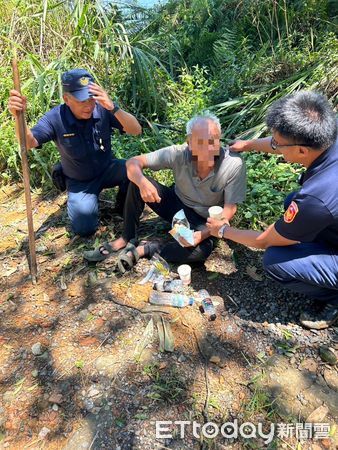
(302, 246)
(81, 129)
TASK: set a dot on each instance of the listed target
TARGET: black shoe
(323, 319)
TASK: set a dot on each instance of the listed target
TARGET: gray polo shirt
(225, 184)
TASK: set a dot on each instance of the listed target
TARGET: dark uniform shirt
(84, 145)
(313, 214)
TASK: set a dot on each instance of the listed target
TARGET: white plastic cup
(184, 272)
(216, 212)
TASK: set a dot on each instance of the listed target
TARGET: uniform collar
(324, 159)
(72, 120)
(96, 113)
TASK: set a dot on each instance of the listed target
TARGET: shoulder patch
(291, 212)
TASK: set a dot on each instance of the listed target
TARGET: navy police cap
(76, 82)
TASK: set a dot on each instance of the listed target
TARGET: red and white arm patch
(291, 212)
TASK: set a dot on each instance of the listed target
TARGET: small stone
(318, 415)
(41, 248)
(215, 359)
(326, 443)
(83, 314)
(56, 399)
(35, 373)
(316, 447)
(8, 396)
(37, 349)
(309, 364)
(55, 407)
(331, 379)
(43, 432)
(182, 358)
(88, 404)
(45, 355)
(88, 341)
(93, 392)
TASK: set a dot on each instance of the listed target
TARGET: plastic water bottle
(169, 286)
(207, 307)
(170, 299)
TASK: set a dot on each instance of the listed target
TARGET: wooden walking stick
(21, 126)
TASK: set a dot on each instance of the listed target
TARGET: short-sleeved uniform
(84, 145)
(226, 184)
(311, 219)
(86, 158)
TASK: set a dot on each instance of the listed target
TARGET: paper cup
(184, 272)
(216, 212)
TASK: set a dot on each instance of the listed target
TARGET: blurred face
(204, 142)
(81, 110)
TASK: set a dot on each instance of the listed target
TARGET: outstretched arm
(268, 238)
(259, 145)
(229, 211)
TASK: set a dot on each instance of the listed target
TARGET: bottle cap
(213, 317)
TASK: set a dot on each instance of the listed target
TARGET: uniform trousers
(83, 196)
(310, 268)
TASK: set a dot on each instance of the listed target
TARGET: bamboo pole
(21, 127)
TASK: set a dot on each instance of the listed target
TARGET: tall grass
(165, 64)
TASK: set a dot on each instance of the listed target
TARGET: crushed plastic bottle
(170, 299)
(207, 307)
(169, 286)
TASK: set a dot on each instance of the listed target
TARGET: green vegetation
(167, 386)
(167, 63)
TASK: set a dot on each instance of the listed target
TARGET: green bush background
(167, 63)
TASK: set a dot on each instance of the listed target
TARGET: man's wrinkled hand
(101, 96)
(149, 192)
(16, 102)
(214, 225)
(197, 240)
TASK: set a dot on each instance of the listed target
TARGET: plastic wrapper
(158, 272)
(181, 228)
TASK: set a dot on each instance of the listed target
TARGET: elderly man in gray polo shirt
(205, 173)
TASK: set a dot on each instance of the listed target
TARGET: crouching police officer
(81, 129)
(302, 246)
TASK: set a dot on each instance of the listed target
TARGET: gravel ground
(79, 371)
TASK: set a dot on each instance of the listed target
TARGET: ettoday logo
(166, 429)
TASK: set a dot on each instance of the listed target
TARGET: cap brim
(82, 94)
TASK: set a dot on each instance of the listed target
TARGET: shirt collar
(96, 113)
(72, 120)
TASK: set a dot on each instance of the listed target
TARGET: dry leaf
(252, 272)
(318, 415)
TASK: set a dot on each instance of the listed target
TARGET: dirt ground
(80, 365)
